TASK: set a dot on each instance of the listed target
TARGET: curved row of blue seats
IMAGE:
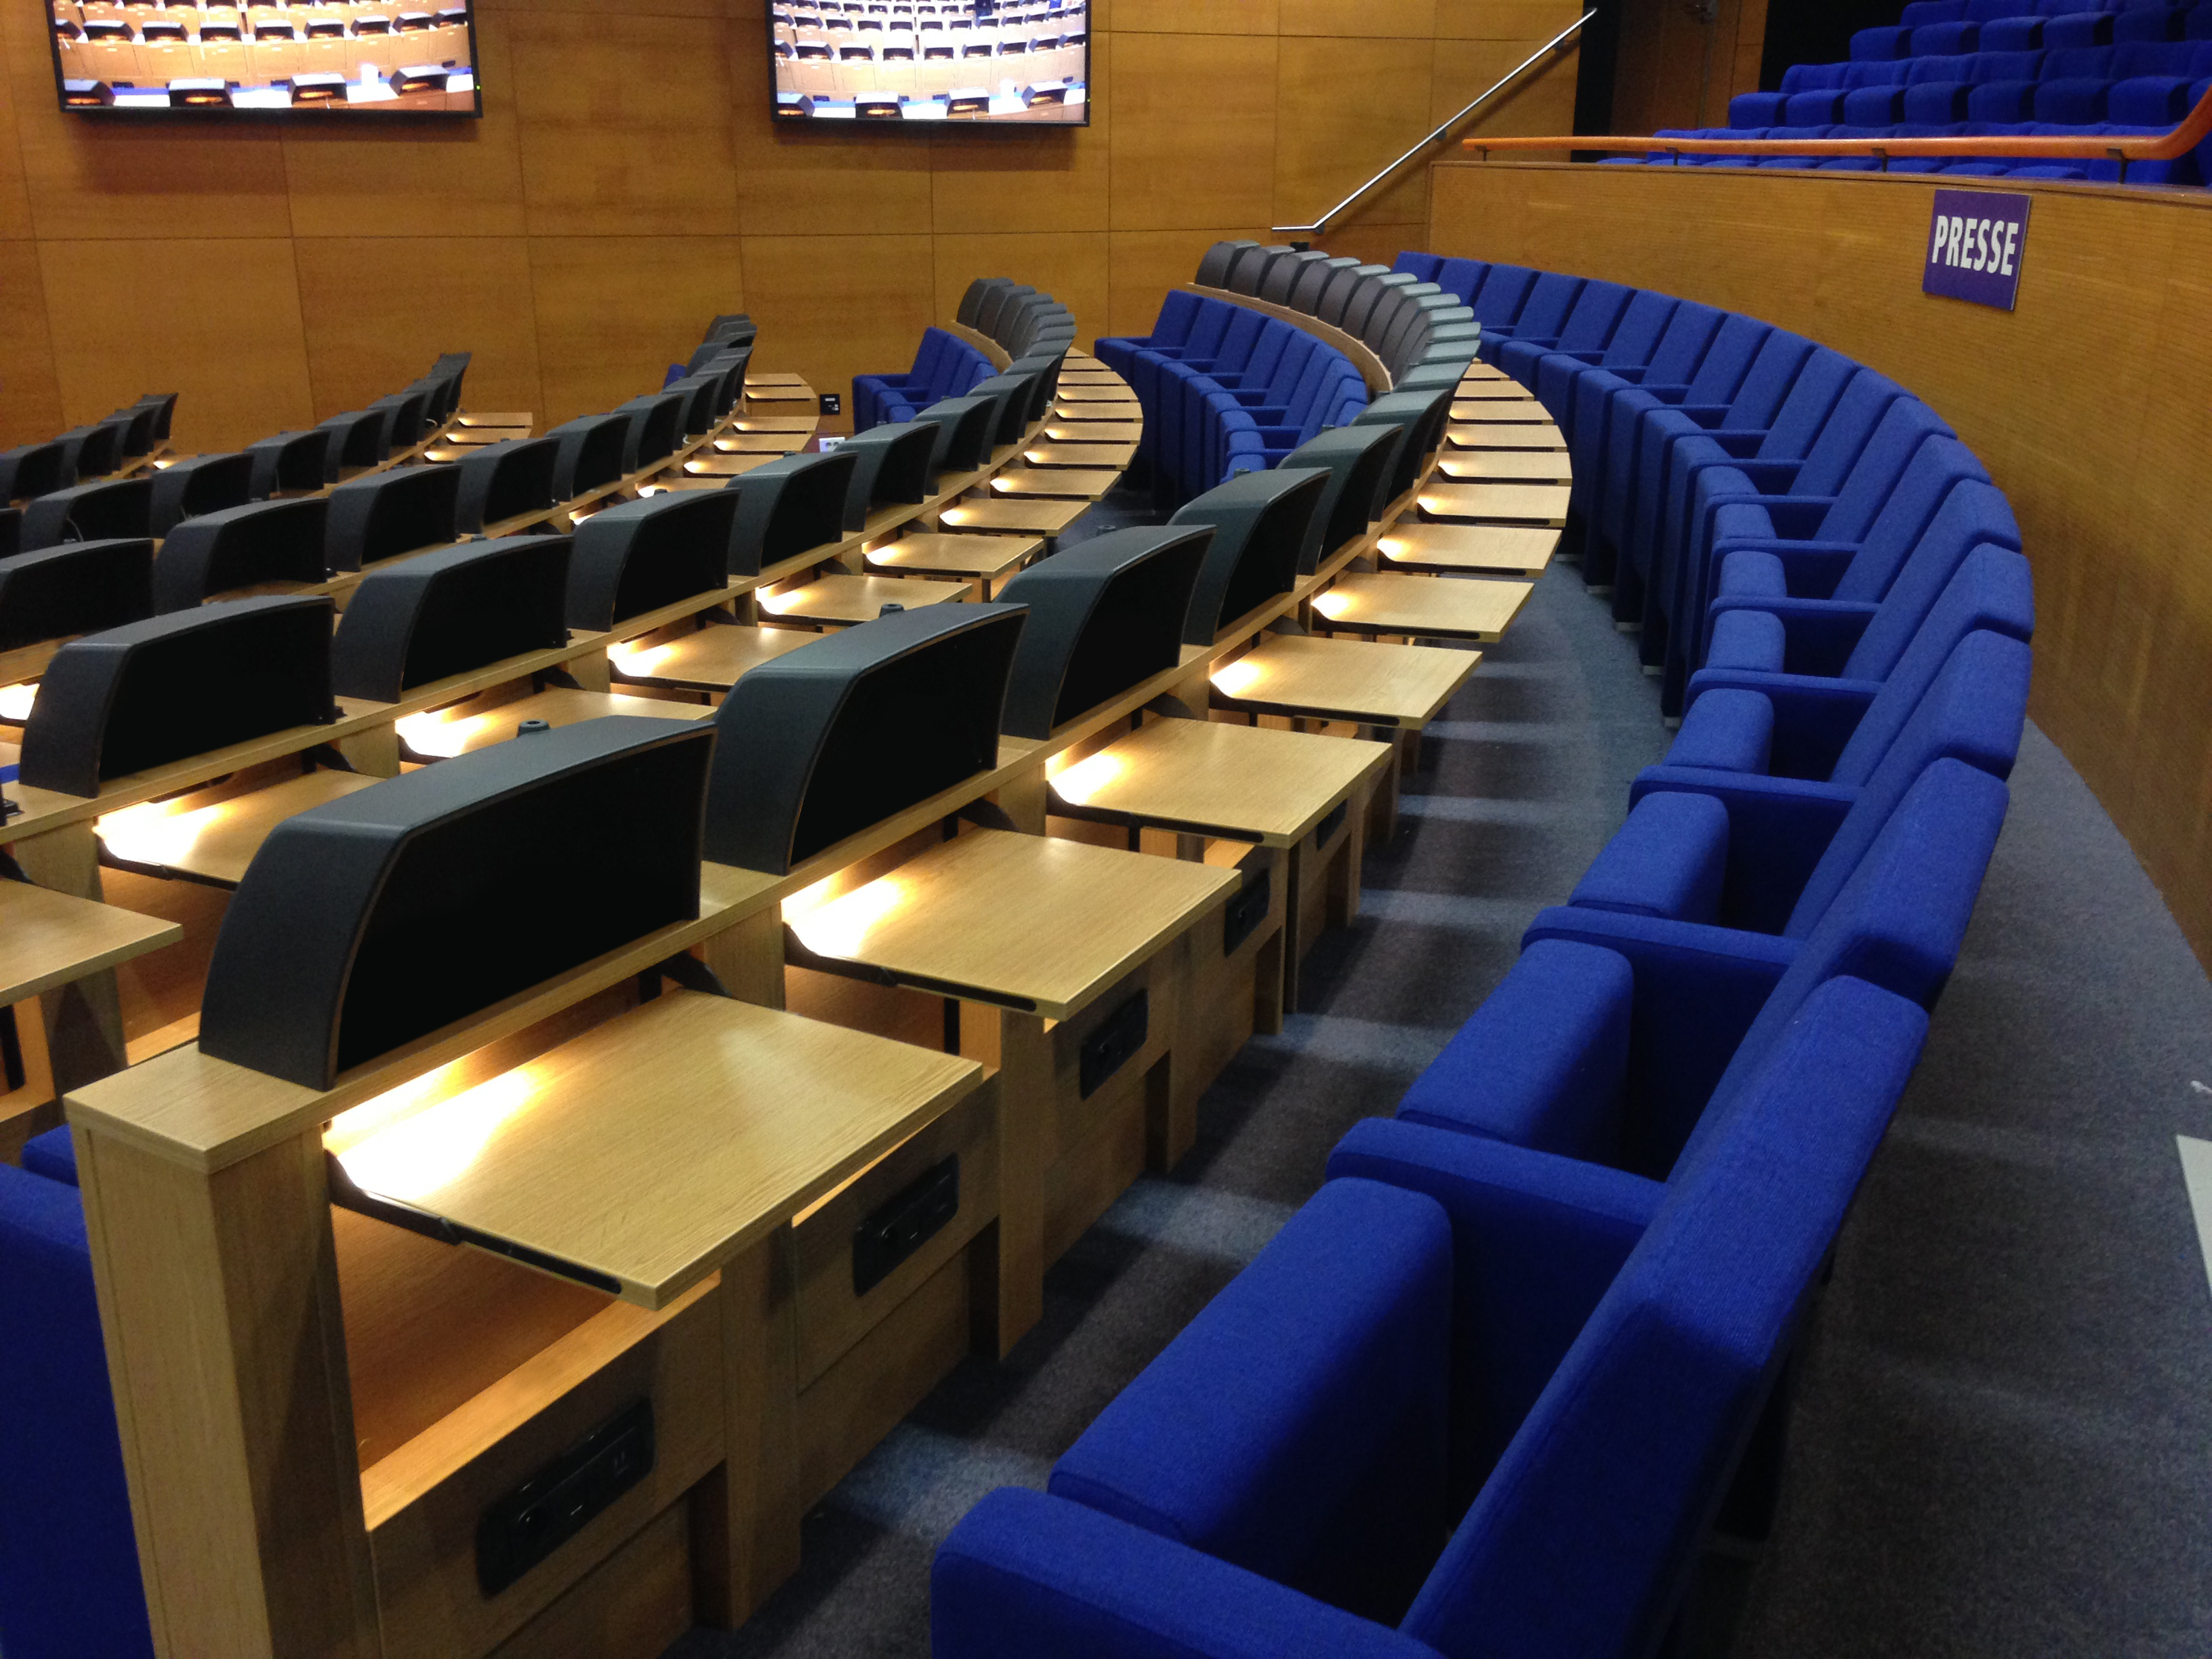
(946, 366)
(2015, 25)
(2143, 85)
(1226, 389)
(1484, 1392)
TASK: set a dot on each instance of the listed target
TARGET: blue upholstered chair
(1566, 1361)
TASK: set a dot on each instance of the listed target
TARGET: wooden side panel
(2086, 403)
(633, 1606)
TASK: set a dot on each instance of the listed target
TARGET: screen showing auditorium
(989, 62)
(322, 59)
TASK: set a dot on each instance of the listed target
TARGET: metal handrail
(1443, 133)
(2195, 128)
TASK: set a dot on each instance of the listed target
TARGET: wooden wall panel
(628, 182)
(2086, 403)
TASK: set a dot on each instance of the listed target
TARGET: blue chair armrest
(1778, 828)
(1668, 860)
(1536, 1240)
(1811, 569)
(1819, 635)
(1024, 1575)
(1731, 730)
(1813, 716)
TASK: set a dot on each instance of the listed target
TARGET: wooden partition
(2087, 404)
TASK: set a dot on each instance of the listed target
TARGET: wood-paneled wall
(1678, 68)
(2087, 404)
(627, 183)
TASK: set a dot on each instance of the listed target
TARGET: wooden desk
(973, 558)
(799, 392)
(1209, 778)
(1086, 429)
(843, 601)
(48, 939)
(1025, 922)
(807, 424)
(1508, 438)
(214, 844)
(1095, 391)
(1538, 504)
(1116, 456)
(653, 1148)
(1066, 482)
(744, 442)
(1031, 518)
(1422, 607)
(1493, 466)
(1504, 549)
(708, 660)
(1528, 413)
(1401, 686)
(451, 732)
(1499, 391)
(724, 466)
(521, 422)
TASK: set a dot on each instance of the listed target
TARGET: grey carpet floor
(2001, 1444)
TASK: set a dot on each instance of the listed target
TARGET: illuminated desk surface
(1492, 466)
(758, 423)
(1076, 484)
(1422, 606)
(1027, 921)
(709, 660)
(1207, 777)
(1123, 418)
(1079, 391)
(1507, 550)
(1527, 412)
(976, 557)
(456, 732)
(514, 420)
(1539, 504)
(1115, 455)
(1396, 685)
(763, 443)
(1025, 518)
(1499, 391)
(846, 599)
(1474, 436)
(48, 939)
(711, 467)
(653, 1148)
(796, 392)
(216, 843)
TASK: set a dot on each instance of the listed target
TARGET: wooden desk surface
(1528, 438)
(447, 733)
(727, 464)
(796, 392)
(1078, 484)
(708, 660)
(1028, 517)
(1501, 391)
(1117, 456)
(1508, 550)
(1083, 429)
(1510, 467)
(216, 843)
(511, 420)
(1096, 390)
(48, 939)
(846, 599)
(760, 382)
(1540, 504)
(762, 443)
(1208, 777)
(1435, 607)
(1397, 685)
(934, 554)
(653, 1148)
(756, 423)
(1026, 920)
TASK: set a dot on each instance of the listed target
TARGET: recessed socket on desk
(1247, 909)
(1109, 1048)
(518, 1531)
(890, 1234)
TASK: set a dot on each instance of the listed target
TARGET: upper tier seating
(946, 367)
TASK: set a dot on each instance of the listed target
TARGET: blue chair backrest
(1504, 291)
(1997, 593)
(1214, 317)
(1550, 303)
(1461, 277)
(1178, 312)
(1765, 387)
(1421, 266)
(1238, 341)
(1580, 1541)
(1290, 368)
(1689, 338)
(1805, 412)
(68, 1560)
(1720, 375)
(1980, 725)
(1597, 313)
(1916, 509)
(1643, 324)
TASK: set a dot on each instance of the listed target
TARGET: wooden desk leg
(594, 672)
(226, 1350)
(1344, 874)
(1023, 799)
(1018, 1045)
(1383, 804)
(34, 1108)
(748, 959)
(374, 753)
(1294, 945)
(745, 1515)
(83, 1020)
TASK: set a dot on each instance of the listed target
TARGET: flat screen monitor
(302, 62)
(892, 62)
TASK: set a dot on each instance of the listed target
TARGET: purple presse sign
(1974, 246)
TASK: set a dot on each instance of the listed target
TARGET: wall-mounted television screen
(1015, 62)
(408, 56)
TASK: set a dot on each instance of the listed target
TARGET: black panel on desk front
(371, 922)
(448, 612)
(792, 505)
(1260, 522)
(1313, 280)
(151, 692)
(592, 449)
(891, 467)
(164, 405)
(1360, 459)
(291, 463)
(31, 470)
(389, 513)
(1016, 394)
(221, 552)
(206, 483)
(640, 556)
(81, 587)
(93, 452)
(970, 312)
(358, 436)
(90, 513)
(1104, 617)
(1218, 261)
(995, 303)
(504, 481)
(1282, 277)
(699, 393)
(967, 426)
(822, 742)
(11, 531)
(1044, 366)
(1423, 415)
(656, 428)
(728, 369)
(406, 417)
